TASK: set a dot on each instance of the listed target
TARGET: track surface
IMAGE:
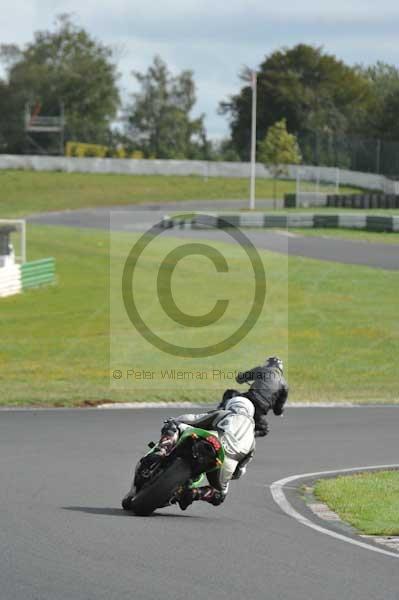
(137, 219)
(64, 537)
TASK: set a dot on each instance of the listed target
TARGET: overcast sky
(215, 38)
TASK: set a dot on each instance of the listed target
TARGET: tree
(279, 149)
(11, 130)
(159, 119)
(384, 83)
(310, 89)
(388, 125)
(223, 150)
(65, 65)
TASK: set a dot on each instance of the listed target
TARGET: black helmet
(227, 395)
(276, 362)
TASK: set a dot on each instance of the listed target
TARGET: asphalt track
(64, 537)
(139, 219)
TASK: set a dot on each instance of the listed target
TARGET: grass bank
(335, 325)
(368, 501)
(351, 234)
(27, 192)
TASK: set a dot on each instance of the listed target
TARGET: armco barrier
(300, 220)
(251, 220)
(377, 223)
(327, 220)
(275, 221)
(226, 220)
(38, 272)
(352, 221)
(305, 220)
(204, 221)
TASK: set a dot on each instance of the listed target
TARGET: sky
(215, 39)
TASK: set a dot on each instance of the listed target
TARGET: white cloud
(215, 39)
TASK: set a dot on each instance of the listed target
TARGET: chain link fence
(355, 153)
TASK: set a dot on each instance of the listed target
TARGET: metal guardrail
(38, 272)
(305, 220)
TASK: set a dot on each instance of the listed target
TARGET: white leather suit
(235, 428)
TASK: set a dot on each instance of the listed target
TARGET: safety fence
(357, 153)
(18, 278)
(262, 220)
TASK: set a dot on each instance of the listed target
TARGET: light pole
(253, 141)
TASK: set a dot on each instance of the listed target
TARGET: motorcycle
(196, 453)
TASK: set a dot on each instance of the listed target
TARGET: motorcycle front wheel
(158, 493)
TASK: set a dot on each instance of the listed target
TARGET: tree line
(336, 111)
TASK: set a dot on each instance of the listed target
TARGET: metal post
(23, 241)
(62, 125)
(253, 142)
(206, 170)
(378, 156)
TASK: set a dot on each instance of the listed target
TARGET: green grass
(351, 234)
(27, 192)
(335, 325)
(386, 212)
(368, 501)
(343, 331)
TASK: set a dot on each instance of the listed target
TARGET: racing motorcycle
(196, 453)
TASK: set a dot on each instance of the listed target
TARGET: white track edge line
(279, 497)
(136, 405)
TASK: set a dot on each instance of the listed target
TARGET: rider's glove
(260, 433)
(261, 426)
(278, 407)
(170, 427)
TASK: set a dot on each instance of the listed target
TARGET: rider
(268, 390)
(234, 426)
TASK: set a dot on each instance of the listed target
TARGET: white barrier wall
(190, 167)
(18, 278)
(10, 280)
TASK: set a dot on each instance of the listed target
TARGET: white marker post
(253, 141)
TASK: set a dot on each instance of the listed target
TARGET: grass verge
(27, 192)
(336, 324)
(351, 234)
(368, 501)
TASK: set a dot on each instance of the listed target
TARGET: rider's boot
(188, 497)
(206, 494)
